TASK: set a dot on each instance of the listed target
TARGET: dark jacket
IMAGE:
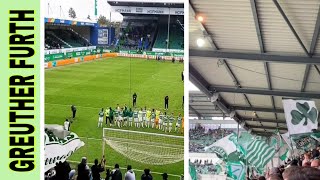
(83, 172)
(116, 174)
(95, 171)
(146, 177)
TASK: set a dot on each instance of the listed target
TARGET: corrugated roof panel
(286, 76)
(313, 83)
(268, 124)
(211, 70)
(249, 74)
(234, 99)
(253, 123)
(277, 36)
(246, 114)
(303, 16)
(260, 100)
(230, 22)
(258, 130)
(281, 116)
(266, 115)
(195, 32)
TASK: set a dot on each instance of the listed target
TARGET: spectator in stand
(315, 163)
(146, 175)
(116, 173)
(129, 174)
(83, 170)
(96, 169)
(307, 159)
(63, 171)
(108, 174)
(301, 173)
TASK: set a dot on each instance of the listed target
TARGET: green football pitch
(98, 84)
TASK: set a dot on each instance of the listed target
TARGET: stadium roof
(255, 54)
(148, 3)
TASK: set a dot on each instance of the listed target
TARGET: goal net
(143, 147)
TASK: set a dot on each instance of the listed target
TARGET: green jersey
(144, 113)
(121, 113)
(116, 113)
(111, 113)
(101, 114)
(171, 119)
(165, 118)
(179, 120)
(153, 115)
(130, 114)
(135, 114)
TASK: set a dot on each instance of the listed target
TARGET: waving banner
(58, 150)
(224, 146)
(301, 116)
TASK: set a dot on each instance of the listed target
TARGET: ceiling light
(200, 18)
(200, 42)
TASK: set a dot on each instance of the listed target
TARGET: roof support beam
(267, 127)
(203, 28)
(265, 120)
(266, 68)
(195, 111)
(258, 109)
(305, 77)
(249, 56)
(283, 93)
(203, 85)
(196, 78)
(315, 66)
(315, 35)
(291, 27)
(239, 108)
(257, 24)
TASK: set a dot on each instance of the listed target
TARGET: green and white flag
(259, 153)
(236, 170)
(192, 172)
(301, 116)
(316, 136)
(224, 146)
(59, 150)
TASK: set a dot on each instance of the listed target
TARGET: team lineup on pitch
(100, 83)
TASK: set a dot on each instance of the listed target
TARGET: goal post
(144, 147)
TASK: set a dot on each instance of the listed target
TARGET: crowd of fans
(51, 43)
(63, 171)
(304, 167)
(136, 37)
(206, 167)
(200, 137)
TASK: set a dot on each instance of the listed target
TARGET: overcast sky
(83, 8)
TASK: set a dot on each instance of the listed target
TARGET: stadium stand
(199, 138)
(206, 167)
(67, 37)
(175, 38)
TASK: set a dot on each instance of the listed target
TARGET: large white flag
(224, 146)
(59, 150)
(301, 116)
